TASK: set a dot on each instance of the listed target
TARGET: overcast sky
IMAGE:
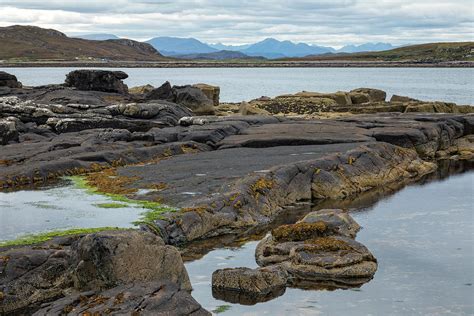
(326, 22)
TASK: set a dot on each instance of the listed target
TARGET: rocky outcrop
(141, 89)
(8, 130)
(189, 96)
(250, 285)
(317, 251)
(140, 298)
(9, 81)
(97, 80)
(357, 101)
(212, 92)
(129, 262)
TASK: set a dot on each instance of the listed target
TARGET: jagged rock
(8, 130)
(194, 99)
(212, 92)
(97, 80)
(9, 80)
(141, 89)
(163, 92)
(140, 298)
(374, 95)
(32, 275)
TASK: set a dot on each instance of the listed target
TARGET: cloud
(325, 22)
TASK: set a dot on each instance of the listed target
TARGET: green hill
(432, 52)
(30, 43)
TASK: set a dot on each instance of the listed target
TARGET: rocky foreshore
(224, 168)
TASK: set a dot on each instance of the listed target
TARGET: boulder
(375, 95)
(163, 92)
(8, 130)
(399, 98)
(9, 80)
(194, 99)
(97, 80)
(32, 275)
(249, 286)
(212, 92)
(359, 98)
(137, 298)
(172, 112)
(141, 89)
(320, 246)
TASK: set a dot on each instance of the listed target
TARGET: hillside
(172, 46)
(431, 52)
(27, 43)
(220, 55)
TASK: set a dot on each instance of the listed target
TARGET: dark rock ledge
(227, 174)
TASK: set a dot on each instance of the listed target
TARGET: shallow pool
(423, 238)
(59, 207)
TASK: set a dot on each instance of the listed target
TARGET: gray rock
(97, 80)
(8, 130)
(144, 298)
(9, 80)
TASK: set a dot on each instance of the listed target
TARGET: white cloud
(326, 22)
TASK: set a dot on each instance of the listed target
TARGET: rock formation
(97, 80)
(317, 251)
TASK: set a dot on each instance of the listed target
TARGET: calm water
(238, 84)
(58, 208)
(423, 238)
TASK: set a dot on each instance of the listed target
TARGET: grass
(38, 238)
(221, 309)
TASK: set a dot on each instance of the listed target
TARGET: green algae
(221, 309)
(154, 210)
(111, 205)
(42, 237)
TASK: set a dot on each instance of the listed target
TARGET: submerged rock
(97, 80)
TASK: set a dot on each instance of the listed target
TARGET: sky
(326, 22)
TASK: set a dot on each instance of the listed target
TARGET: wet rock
(97, 80)
(261, 281)
(32, 275)
(140, 298)
(212, 92)
(374, 95)
(249, 286)
(9, 80)
(8, 130)
(109, 259)
(325, 251)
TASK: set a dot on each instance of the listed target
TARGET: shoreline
(217, 64)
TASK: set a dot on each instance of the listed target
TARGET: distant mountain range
(219, 55)
(268, 48)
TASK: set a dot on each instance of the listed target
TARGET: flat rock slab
(194, 176)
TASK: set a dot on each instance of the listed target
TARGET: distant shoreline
(243, 64)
